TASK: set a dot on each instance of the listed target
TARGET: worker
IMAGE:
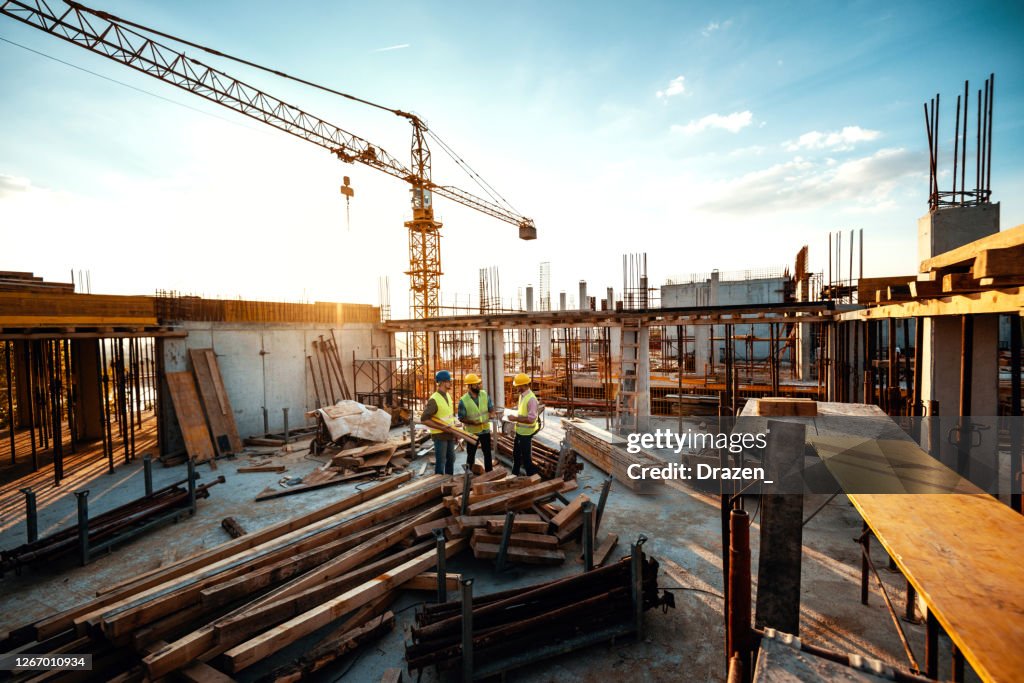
(440, 409)
(475, 412)
(526, 419)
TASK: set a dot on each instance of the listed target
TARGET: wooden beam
(1013, 237)
(427, 581)
(279, 637)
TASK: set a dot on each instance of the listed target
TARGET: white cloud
(841, 140)
(675, 87)
(863, 184)
(731, 122)
(11, 185)
(715, 26)
(391, 47)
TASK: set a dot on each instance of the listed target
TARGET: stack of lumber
(779, 406)
(608, 453)
(238, 603)
(520, 621)
(992, 262)
(544, 458)
(20, 281)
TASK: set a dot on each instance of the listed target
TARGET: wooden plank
(454, 431)
(120, 618)
(604, 549)
(999, 262)
(266, 644)
(570, 511)
(867, 286)
(127, 590)
(427, 581)
(522, 540)
(925, 288)
(216, 405)
(520, 525)
(1013, 237)
(489, 551)
(515, 499)
(960, 282)
(201, 672)
(783, 407)
(261, 468)
(323, 481)
(190, 416)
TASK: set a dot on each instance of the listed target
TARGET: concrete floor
(683, 526)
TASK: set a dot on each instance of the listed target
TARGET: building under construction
(229, 489)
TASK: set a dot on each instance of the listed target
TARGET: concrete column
(643, 379)
(492, 364)
(804, 352)
(561, 301)
(544, 342)
(610, 299)
(88, 420)
(615, 344)
(584, 301)
(938, 232)
(529, 297)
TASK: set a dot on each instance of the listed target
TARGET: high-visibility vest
(445, 413)
(476, 410)
(524, 404)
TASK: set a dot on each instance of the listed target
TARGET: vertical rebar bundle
(959, 195)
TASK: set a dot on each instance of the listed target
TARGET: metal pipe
(83, 526)
(1015, 415)
(147, 473)
(467, 630)
(31, 518)
(963, 150)
(602, 499)
(636, 565)
(956, 146)
(467, 480)
(738, 633)
(506, 539)
(442, 573)
(9, 350)
(191, 465)
(988, 162)
(286, 433)
(588, 536)
(266, 420)
(931, 646)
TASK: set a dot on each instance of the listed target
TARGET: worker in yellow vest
(527, 424)
(440, 408)
(475, 412)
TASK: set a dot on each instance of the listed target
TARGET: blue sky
(707, 135)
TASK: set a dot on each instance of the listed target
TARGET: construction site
(789, 472)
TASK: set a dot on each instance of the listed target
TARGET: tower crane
(128, 43)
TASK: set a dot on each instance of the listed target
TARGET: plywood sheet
(190, 416)
(215, 401)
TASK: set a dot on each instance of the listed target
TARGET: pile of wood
(242, 601)
(608, 453)
(360, 460)
(20, 281)
(544, 458)
(516, 624)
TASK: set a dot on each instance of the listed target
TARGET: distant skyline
(718, 136)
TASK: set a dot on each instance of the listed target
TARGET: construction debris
(344, 559)
(231, 525)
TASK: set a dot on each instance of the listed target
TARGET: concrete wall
(265, 365)
(716, 292)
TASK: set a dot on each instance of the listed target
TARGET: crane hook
(346, 189)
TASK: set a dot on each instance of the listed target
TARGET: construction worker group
(474, 411)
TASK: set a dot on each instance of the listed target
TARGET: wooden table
(959, 550)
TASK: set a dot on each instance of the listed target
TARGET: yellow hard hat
(472, 378)
(520, 379)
